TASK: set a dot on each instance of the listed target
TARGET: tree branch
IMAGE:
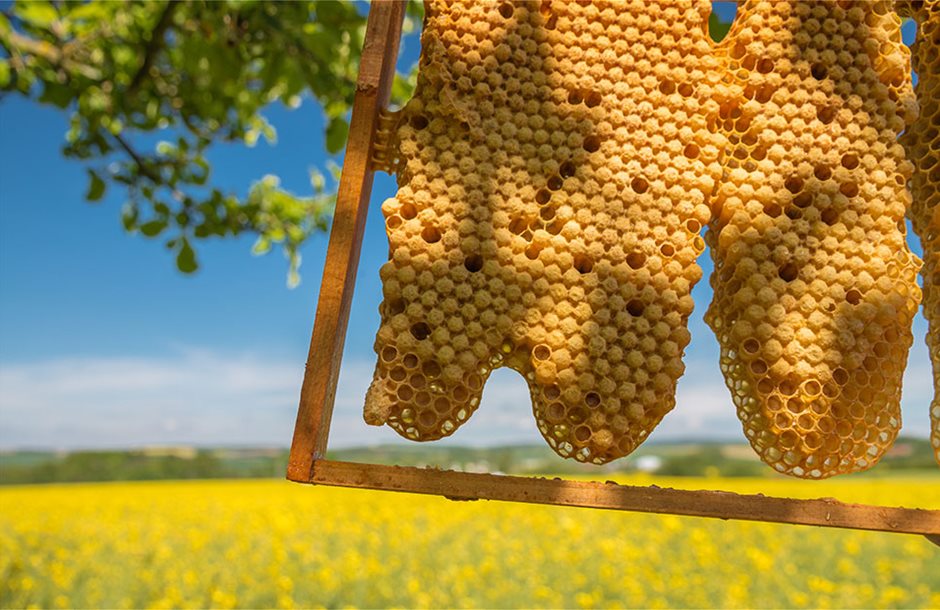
(153, 45)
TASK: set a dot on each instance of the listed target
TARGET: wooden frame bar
(307, 463)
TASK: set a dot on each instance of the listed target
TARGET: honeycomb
(554, 169)
(922, 142)
(814, 285)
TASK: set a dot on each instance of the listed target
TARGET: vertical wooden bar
(376, 71)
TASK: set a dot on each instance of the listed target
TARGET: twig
(153, 45)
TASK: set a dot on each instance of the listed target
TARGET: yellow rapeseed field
(272, 543)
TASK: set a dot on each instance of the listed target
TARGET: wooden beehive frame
(307, 462)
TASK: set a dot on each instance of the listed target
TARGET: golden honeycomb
(922, 141)
(814, 285)
(554, 168)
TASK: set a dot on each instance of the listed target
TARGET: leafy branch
(195, 74)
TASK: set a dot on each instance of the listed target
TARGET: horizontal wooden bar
(826, 512)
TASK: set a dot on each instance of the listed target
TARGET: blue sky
(104, 344)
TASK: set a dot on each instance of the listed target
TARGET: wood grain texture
(376, 71)
(826, 512)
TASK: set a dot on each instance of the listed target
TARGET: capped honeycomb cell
(922, 141)
(554, 169)
(814, 285)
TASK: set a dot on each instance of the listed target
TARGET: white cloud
(210, 398)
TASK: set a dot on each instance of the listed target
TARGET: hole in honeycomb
(765, 65)
(552, 392)
(751, 346)
(547, 213)
(636, 260)
(583, 263)
(395, 307)
(738, 51)
(829, 216)
(397, 374)
(506, 9)
(473, 263)
(667, 87)
(819, 71)
(691, 151)
(849, 189)
(794, 184)
(803, 200)
(408, 211)
(826, 114)
(636, 307)
(773, 210)
(545, 8)
(518, 225)
(758, 367)
(592, 99)
(567, 169)
(428, 418)
(419, 121)
(592, 144)
(639, 185)
(555, 411)
(693, 226)
(853, 296)
(577, 415)
(393, 222)
(555, 182)
(822, 172)
(417, 381)
(686, 90)
(592, 399)
(582, 434)
(667, 250)
(794, 213)
(787, 387)
(541, 352)
(410, 361)
(431, 369)
(812, 388)
(532, 252)
(543, 196)
(431, 235)
(420, 331)
(389, 353)
(788, 272)
(405, 393)
(849, 161)
(460, 393)
(574, 97)
(840, 376)
(764, 94)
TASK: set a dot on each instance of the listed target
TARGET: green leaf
(39, 14)
(186, 257)
(717, 28)
(262, 246)
(336, 133)
(4, 73)
(153, 228)
(95, 186)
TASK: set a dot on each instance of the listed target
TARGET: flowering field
(272, 543)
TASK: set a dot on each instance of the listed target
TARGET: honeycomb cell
(552, 192)
(814, 285)
(922, 142)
